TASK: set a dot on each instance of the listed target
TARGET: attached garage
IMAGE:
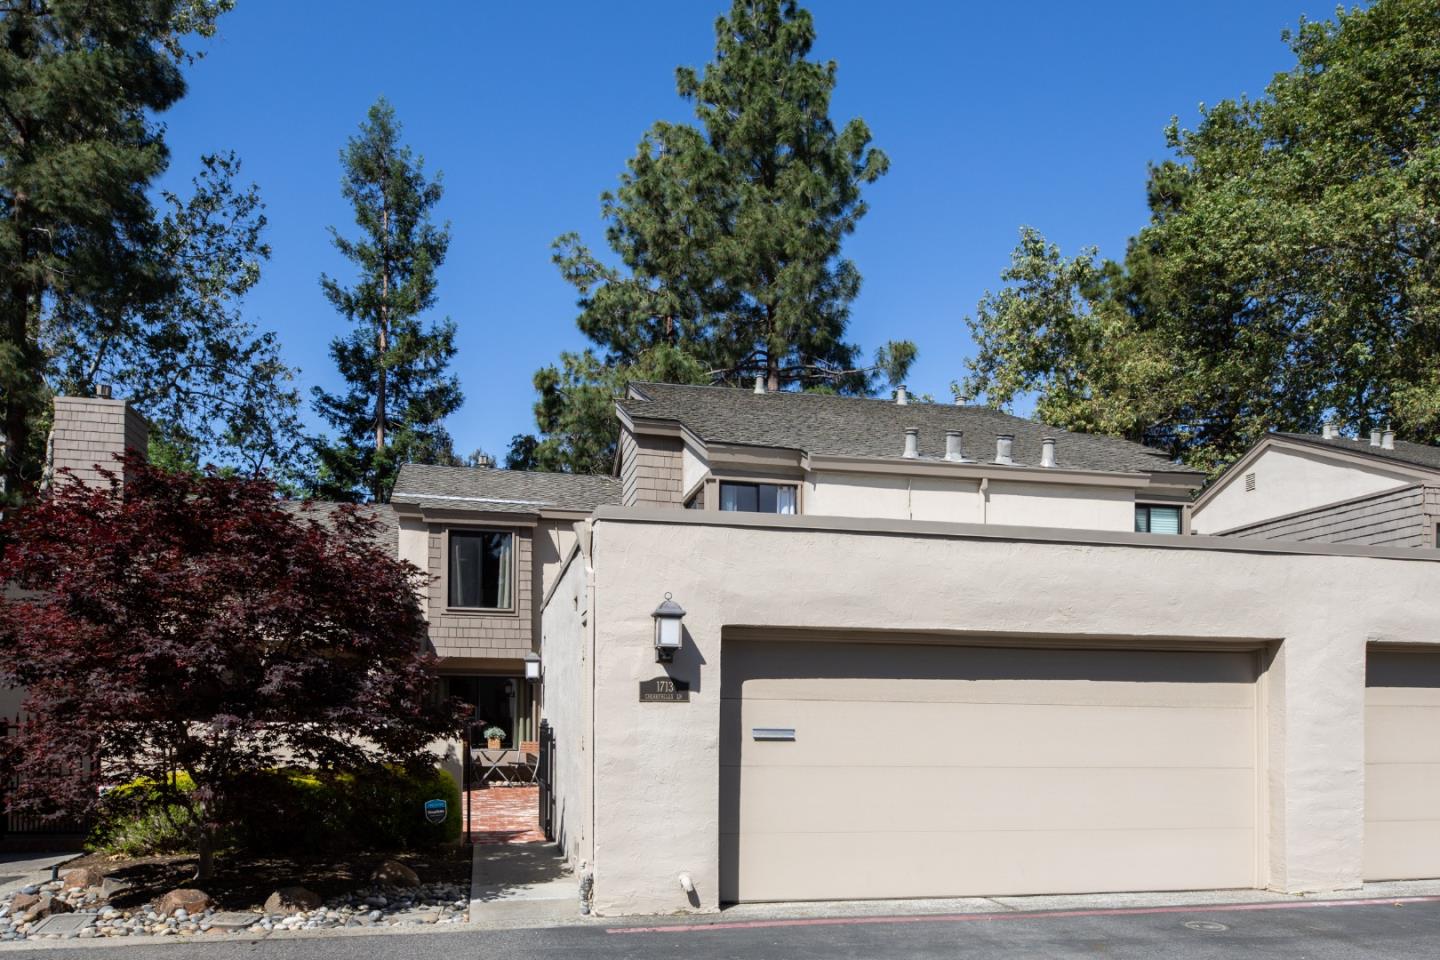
(915, 769)
(1402, 765)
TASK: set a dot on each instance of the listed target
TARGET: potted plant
(494, 736)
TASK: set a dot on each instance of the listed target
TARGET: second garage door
(1402, 765)
(881, 770)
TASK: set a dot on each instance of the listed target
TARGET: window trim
(1148, 505)
(513, 609)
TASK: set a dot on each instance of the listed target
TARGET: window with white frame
(757, 497)
(480, 569)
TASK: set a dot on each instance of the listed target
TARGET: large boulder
(81, 877)
(292, 900)
(393, 873)
(190, 900)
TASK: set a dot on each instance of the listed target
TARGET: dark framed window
(1152, 518)
(757, 497)
(480, 570)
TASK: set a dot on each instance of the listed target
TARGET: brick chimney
(89, 432)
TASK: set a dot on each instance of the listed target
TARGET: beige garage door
(1402, 766)
(921, 770)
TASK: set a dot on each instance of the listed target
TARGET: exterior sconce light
(532, 667)
(667, 629)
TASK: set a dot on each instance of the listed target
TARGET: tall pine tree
(80, 84)
(730, 233)
(398, 388)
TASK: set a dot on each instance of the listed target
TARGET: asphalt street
(1313, 931)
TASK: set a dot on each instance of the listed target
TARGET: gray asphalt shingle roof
(824, 425)
(1413, 454)
(387, 532)
(504, 491)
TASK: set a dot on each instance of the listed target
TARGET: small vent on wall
(1249, 483)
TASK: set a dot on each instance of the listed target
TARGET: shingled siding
(1393, 518)
(91, 431)
(650, 470)
(507, 636)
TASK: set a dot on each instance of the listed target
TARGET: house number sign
(664, 690)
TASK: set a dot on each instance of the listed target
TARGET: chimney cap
(104, 391)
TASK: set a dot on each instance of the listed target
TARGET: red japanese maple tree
(196, 623)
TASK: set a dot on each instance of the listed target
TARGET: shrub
(294, 812)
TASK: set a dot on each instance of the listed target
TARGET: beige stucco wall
(961, 500)
(655, 793)
(565, 692)
(1286, 482)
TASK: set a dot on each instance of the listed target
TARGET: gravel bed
(437, 903)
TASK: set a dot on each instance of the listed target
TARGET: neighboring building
(717, 448)
(1327, 489)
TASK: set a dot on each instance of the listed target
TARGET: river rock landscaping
(85, 903)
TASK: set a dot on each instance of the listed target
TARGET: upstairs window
(757, 497)
(480, 569)
(1156, 519)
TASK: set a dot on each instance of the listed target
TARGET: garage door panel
(1401, 850)
(927, 770)
(1402, 765)
(1401, 734)
(987, 863)
(1402, 791)
(830, 733)
(950, 799)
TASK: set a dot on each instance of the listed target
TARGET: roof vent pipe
(1374, 438)
(901, 397)
(1047, 452)
(1004, 444)
(961, 399)
(912, 443)
(1328, 430)
(1387, 439)
(759, 384)
(953, 450)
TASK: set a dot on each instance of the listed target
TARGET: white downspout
(984, 499)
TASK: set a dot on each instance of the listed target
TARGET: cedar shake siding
(1403, 517)
(92, 431)
(651, 470)
(502, 635)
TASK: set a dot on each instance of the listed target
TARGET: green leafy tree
(214, 388)
(729, 235)
(398, 387)
(80, 85)
(1288, 271)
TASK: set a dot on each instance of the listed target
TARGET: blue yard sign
(436, 810)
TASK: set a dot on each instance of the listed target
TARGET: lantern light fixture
(668, 631)
(532, 667)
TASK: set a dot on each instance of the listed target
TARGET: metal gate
(545, 777)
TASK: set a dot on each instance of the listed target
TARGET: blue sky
(993, 115)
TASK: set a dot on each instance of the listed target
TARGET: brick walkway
(504, 815)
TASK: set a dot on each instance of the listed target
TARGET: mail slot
(773, 733)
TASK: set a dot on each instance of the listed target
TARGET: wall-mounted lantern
(532, 667)
(668, 633)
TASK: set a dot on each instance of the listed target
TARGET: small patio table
(497, 763)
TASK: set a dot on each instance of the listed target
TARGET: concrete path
(1384, 929)
(521, 884)
(18, 869)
